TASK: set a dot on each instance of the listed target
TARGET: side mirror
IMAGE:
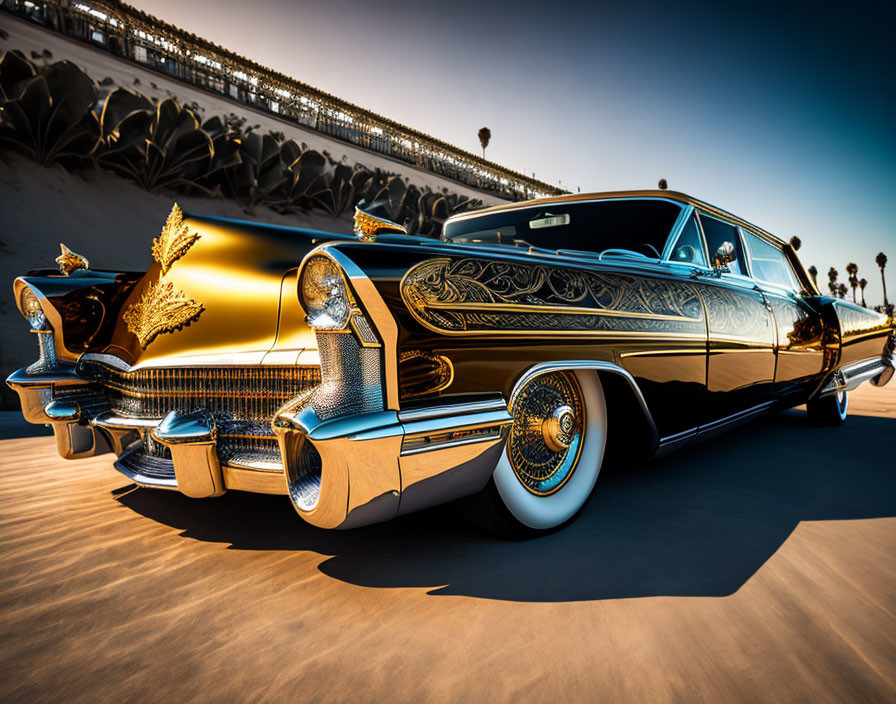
(725, 255)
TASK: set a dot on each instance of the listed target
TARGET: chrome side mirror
(724, 256)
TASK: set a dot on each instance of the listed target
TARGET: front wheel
(829, 410)
(553, 456)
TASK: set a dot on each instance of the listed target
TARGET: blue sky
(781, 113)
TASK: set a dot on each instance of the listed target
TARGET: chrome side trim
(676, 441)
(452, 409)
(734, 419)
(595, 365)
(490, 436)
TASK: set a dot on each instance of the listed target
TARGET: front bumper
(179, 451)
(340, 473)
(362, 469)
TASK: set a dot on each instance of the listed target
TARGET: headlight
(30, 306)
(325, 295)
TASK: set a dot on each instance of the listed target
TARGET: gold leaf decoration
(174, 241)
(162, 308)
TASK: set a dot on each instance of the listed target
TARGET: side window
(688, 247)
(720, 238)
(768, 263)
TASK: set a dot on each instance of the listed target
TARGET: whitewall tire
(553, 455)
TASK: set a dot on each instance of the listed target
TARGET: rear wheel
(829, 410)
(553, 456)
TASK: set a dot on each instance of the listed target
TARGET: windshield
(635, 226)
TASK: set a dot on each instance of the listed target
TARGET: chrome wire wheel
(554, 450)
(546, 436)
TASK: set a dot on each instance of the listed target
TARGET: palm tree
(881, 260)
(853, 270)
(813, 272)
(862, 284)
(485, 136)
(832, 280)
(796, 243)
(842, 290)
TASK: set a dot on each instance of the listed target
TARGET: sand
(755, 567)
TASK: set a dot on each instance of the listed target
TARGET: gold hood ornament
(70, 261)
(368, 226)
(161, 308)
(174, 240)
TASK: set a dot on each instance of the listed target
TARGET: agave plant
(171, 152)
(47, 113)
(432, 212)
(261, 175)
(343, 186)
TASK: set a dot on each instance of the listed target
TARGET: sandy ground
(756, 567)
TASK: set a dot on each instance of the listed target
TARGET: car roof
(634, 195)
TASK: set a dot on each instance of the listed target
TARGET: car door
(740, 370)
(799, 345)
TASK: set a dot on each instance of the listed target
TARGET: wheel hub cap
(546, 435)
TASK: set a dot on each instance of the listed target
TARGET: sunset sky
(782, 115)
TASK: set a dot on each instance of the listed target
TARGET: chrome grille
(242, 393)
(351, 377)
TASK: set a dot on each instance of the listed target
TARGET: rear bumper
(355, 470)
(878, 371)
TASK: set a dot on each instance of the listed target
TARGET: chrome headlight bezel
(325, 295)
(29, 305)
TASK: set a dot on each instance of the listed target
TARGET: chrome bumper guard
(355, 470)
(84, 427)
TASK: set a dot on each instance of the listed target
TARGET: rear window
(640, 226)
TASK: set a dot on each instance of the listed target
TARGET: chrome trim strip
(238, 359)
(112, 420)
(110, 360)
(453, 409)
(678, 437)
(677, 229)
(491, 437)
(738, 417)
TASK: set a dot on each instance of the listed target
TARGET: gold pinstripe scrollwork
(474, 296)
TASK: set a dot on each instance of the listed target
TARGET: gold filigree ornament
(368, 226)
(174, 241)
(162, 308)
(70, 261)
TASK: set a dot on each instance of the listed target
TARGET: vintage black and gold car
(374, 374)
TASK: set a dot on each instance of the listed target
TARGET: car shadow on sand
(697, 523)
